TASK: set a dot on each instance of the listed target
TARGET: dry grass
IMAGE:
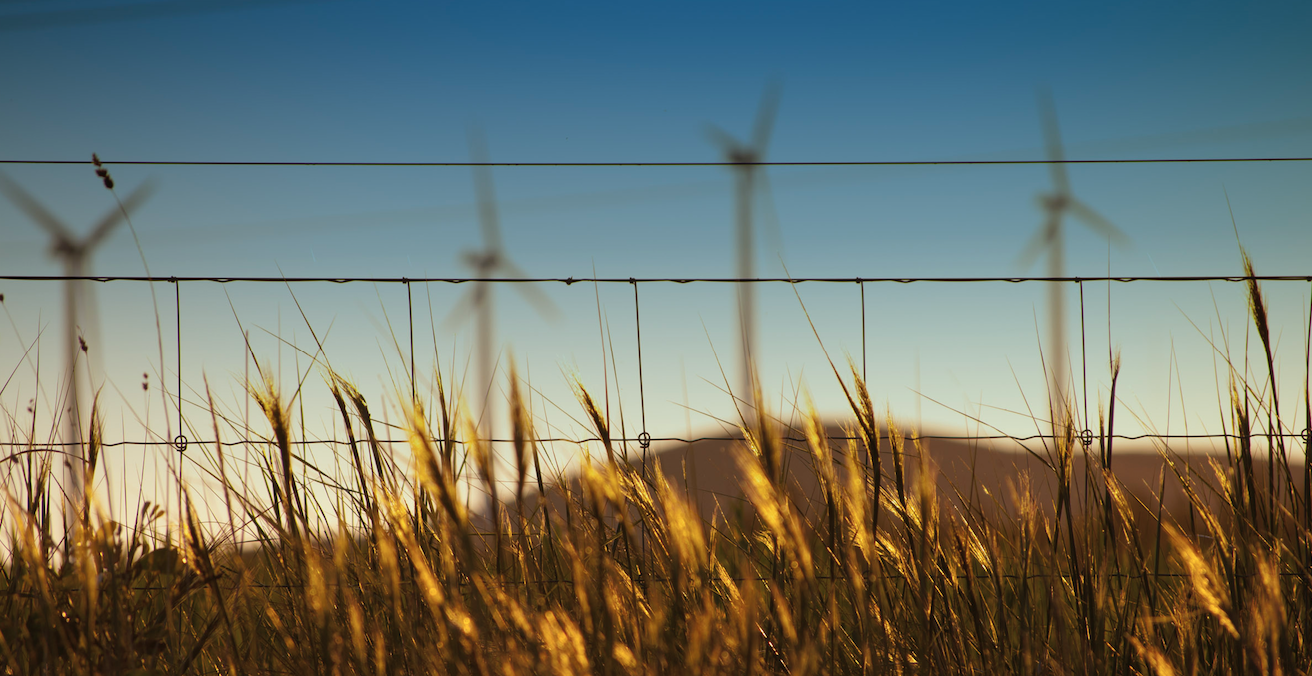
(624, 575)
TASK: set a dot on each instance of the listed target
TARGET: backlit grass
(618, 572)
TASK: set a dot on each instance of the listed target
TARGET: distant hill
(984, 474)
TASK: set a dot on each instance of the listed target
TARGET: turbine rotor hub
(482, 261)
(1056, 201)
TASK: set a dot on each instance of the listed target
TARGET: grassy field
(619, 573)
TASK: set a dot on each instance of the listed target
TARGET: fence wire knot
(1086, 437)
(1307, 437)
(180, 443)
(644, 440)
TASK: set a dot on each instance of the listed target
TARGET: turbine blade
(474, 261)
(1052, 143)
(1035, 247)
(111, 219)
(531, 293)
(765, 115)
(1098, 224)
(728, 144)
(462, 310)
(34, 210)
(487, 201)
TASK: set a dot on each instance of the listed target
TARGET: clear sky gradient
(344, 80)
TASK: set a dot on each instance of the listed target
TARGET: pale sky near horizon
(385, 81)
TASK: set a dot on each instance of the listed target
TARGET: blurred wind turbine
(745, 160)
(489, 262)
(1056, 204)
(75, 254)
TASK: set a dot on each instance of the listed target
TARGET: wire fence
(14, 453)
(645, 439)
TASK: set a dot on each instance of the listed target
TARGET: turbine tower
(75, 254)
(1056, 205)
(486, 263)
(745, 160)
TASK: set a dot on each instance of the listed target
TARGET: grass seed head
(102, 172)
(521, 433)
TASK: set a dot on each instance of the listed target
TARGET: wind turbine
(1056, 205)
(75, 254)
(745, 160)
(486, 263)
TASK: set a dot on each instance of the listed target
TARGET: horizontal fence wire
(173, 279)
(774, 163)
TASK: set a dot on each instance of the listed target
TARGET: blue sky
(403, 81)
(547, 82)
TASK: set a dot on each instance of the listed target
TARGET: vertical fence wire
(644, 439)
(1307, 401)
(1086, 435)
(180, 441)
(177, 316)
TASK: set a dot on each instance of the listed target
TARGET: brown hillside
(984, 474)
